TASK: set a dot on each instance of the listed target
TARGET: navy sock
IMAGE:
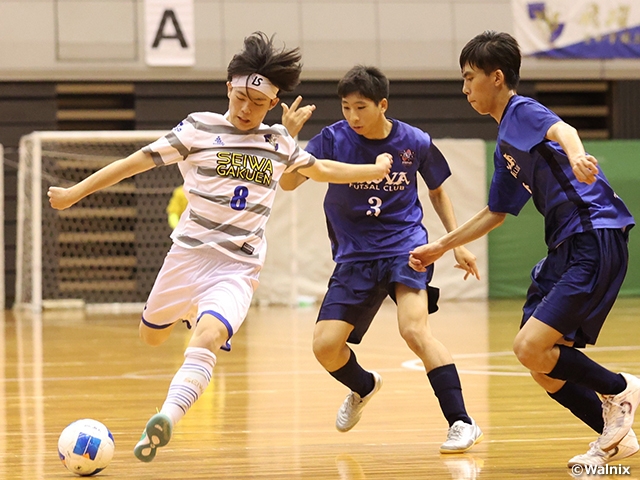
(582, 402)
(575, 367)
(446, 385)
(354, 376)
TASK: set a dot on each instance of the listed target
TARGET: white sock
(189, 382)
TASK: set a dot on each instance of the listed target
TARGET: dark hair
(491, 51)
(259, 55)
(369, 82)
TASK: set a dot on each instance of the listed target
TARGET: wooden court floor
(269, 412)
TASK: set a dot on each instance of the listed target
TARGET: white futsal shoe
(618, 412)
(461, 437)
(351, 409)
(598, 457)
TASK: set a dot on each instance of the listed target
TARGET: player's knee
(209, 338)
(414, 336)
(324, 348)
(527, 353)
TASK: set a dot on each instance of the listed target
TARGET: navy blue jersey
(372, 220)
(528, 165)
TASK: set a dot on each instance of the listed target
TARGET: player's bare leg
(330, 343)
(415, 330)
(154, 336)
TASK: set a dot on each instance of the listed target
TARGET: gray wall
(409, 39)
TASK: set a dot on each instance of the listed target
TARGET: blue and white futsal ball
(86, 447)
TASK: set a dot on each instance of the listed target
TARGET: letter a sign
(169, 36)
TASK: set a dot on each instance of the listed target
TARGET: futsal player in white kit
(231, 165)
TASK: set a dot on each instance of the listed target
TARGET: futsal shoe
(156, 434)
(598, 457)
(461, 437)
(351, 409)
(618, 412)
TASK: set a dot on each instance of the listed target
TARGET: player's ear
(229, 88)
(498, 77)
(273, 103)
(384, 105)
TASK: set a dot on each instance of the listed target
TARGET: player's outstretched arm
(444, 209)
(294, 117)
(338, 172)
(480, 224)
(61, 198)
(585, 167)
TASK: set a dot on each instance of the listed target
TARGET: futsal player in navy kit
(572, 290)
(372, 227)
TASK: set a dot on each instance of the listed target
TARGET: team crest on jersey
(407, 157)
(218, 141)
(272, 139)
(178, 127)
(514, 168)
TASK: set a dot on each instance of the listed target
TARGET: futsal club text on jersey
(394, 181)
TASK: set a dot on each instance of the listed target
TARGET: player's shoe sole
(156, 434)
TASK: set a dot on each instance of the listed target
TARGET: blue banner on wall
(578, 28)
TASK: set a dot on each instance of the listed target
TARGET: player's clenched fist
(60, 198)
(384, 161)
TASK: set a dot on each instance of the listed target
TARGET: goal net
(108, 247)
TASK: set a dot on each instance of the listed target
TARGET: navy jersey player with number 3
(372, 227)
(572, 290)
(231, 165)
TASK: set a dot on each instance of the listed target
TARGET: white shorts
(194, 282)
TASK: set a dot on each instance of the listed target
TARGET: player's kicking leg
(186, 387)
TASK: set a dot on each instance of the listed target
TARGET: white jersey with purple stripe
(380, 219)
(528, 165)
(230, 180)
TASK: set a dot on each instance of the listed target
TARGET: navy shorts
(357, 289)
(575, 286)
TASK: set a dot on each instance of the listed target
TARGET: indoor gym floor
(269, 412)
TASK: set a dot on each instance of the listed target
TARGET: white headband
(257, 82)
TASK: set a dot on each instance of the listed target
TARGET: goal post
(106, 249)
(2, 239)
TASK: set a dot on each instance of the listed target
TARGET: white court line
(414, 364)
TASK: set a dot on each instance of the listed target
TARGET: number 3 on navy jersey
(239, 199)
(375, 203)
